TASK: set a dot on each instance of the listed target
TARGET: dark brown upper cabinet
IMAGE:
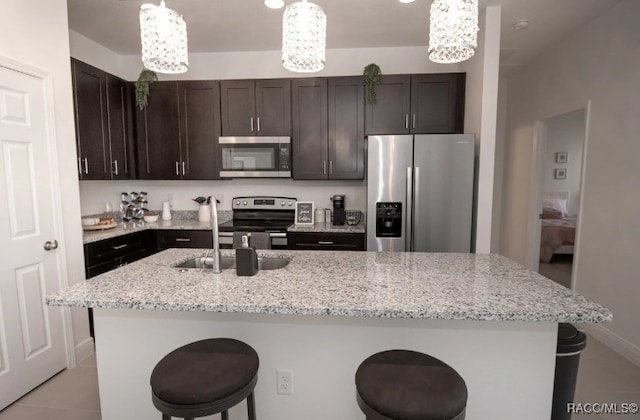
(256, 107)
(178, 131)
(418, 104)
(328, 128)
(103, 123)
(346, 128)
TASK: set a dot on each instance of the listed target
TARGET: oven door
(278, 240)
(255, 157)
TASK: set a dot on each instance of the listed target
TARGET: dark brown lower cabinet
(109, 254)
(183, 239)
(326, 241)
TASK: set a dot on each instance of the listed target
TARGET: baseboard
(84, 349)
(618, 344)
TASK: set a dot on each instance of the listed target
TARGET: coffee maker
(339, 215)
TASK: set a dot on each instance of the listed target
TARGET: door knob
(49, 245)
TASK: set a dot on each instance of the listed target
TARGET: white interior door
(32, 345)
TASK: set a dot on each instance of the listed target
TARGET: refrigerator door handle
(408, 232)
(416, 199)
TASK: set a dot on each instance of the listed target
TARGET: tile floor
(604, 376)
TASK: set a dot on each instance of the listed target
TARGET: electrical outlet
(284, 381)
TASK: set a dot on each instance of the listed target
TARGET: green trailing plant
(145, 78)
(372, 78)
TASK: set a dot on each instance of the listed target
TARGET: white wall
(95, 194)
(261, 64)
(600, 63)
(565, 134)
(481, 118)
(35, 33)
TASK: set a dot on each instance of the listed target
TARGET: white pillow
(556, 204)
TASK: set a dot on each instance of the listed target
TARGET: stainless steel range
(259, 214)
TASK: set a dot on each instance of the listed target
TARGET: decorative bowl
(150, 217)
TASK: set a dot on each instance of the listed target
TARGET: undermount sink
(264, 263)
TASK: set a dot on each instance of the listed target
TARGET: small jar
(319, 216)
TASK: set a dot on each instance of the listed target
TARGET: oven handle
(271, 234)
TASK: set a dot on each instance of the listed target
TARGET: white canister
(204, 213)
(166, 211)
(319, 216)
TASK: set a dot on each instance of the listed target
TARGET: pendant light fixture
(453, 30)
(163, 34)
(304, 33)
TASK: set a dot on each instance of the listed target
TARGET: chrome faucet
(214, 231)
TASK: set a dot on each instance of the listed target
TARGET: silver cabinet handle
(183, 168)
(252, 124)
(330, 167)
(406, 120)
(80, 166)
(86, 166)
(324, 167)
(413, 121)
(177, 168)
(183, 240)
(258, 121)
(50, 245)
(408, 211)
(325, 242)
(117, 247)
(115, 163)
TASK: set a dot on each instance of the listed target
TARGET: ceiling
(247, 25)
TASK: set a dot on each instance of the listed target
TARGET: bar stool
(204, 378)
(408, 385)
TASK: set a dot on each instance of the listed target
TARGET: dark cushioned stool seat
(408, 385)
(201, 377)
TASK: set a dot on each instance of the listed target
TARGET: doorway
(559, 160)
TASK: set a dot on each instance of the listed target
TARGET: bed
(558, 229)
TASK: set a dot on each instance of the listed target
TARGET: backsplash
(94, 195)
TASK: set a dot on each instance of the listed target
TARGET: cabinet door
(200, 124)
(309, 121)
(184, 239)
(119, 133)
(90, 113)
(237, 99)
(346, 128)
(273, 107)
(437, 103)
(390, 114)
(158, 136)
(325, 241)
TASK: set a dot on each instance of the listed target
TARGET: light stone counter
(329, 228)
(185, 220)
(353, 284)
(323, 314)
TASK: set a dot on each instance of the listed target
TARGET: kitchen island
(321, 315)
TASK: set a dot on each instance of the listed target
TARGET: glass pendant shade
(453, 30)
(163, 34)
(304, 33)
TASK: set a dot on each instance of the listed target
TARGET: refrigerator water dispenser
(389, 220)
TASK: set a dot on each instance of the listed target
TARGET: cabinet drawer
(109, 249)
(326, 241)
(184, 239)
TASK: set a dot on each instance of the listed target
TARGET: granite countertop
(328, 227)
(355, 284)
(194, 224)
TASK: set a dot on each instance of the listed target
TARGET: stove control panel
(263, 203)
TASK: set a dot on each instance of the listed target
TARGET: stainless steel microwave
(255, 157)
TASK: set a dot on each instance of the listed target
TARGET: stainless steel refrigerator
(420, 192)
